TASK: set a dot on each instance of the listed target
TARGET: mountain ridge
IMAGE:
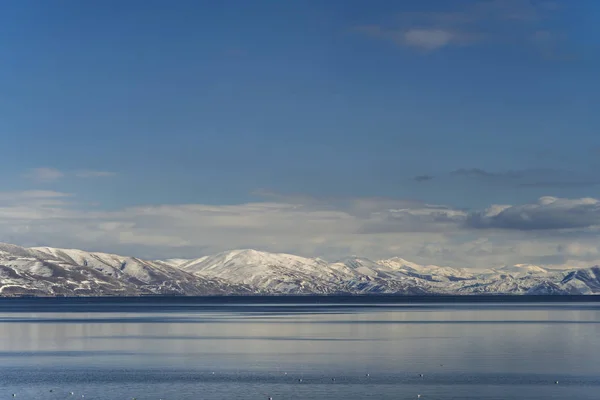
(48, 271)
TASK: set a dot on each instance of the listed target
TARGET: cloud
(548, 213)
(529, 178)
(480, 173)
(327, 228)
(432, 39)
(542, 37)
(421, 38)
(44, 175)
(498, 21)
(416, 218)
(560, 184)
(551, 45)
(423, 178)
(93, 174)
(31, 194)
(50, 175)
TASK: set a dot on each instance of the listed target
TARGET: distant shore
(307, 299)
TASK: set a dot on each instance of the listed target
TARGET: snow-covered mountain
(63, 272)
(521, 270)
(289, 274)
(427, 272)
(267, 272)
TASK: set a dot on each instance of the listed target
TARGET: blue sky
(465, 104)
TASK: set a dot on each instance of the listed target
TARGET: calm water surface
(294, 351)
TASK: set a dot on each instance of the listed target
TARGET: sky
(460, 133)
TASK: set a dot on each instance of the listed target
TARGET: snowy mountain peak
(52, 271)
(397, 262)
(57, 272)
(174, 262)
(250, 257)
(270, 272)
(356, 262)
(351, 266)
(522, 269)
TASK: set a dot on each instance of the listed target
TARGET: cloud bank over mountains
(549, 231)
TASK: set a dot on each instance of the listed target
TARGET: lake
(183, 349)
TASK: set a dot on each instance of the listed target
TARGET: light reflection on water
(240, 352)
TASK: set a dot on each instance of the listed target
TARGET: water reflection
(448, 345)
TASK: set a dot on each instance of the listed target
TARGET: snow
(268, 271)
(245, 271)
(48, 269)
(175, 262)
(523, 269)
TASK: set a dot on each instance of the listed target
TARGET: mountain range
(47, 271)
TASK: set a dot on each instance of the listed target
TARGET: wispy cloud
(423, 178)
(498, 21)
(528, 178)
(481, 173)
(50, 175)
(560, 184)
(30, 196)
(431, 39)
(93, 174)
(551, 45)
(44, 175)
(421, 38)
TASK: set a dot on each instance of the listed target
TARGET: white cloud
(375, 228)
(93, 174)
(429, 39)
(519, 22)
(50, 175)
(44, 175)
(31, 194)
(548, 213)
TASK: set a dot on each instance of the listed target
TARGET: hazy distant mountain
(56, 272)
